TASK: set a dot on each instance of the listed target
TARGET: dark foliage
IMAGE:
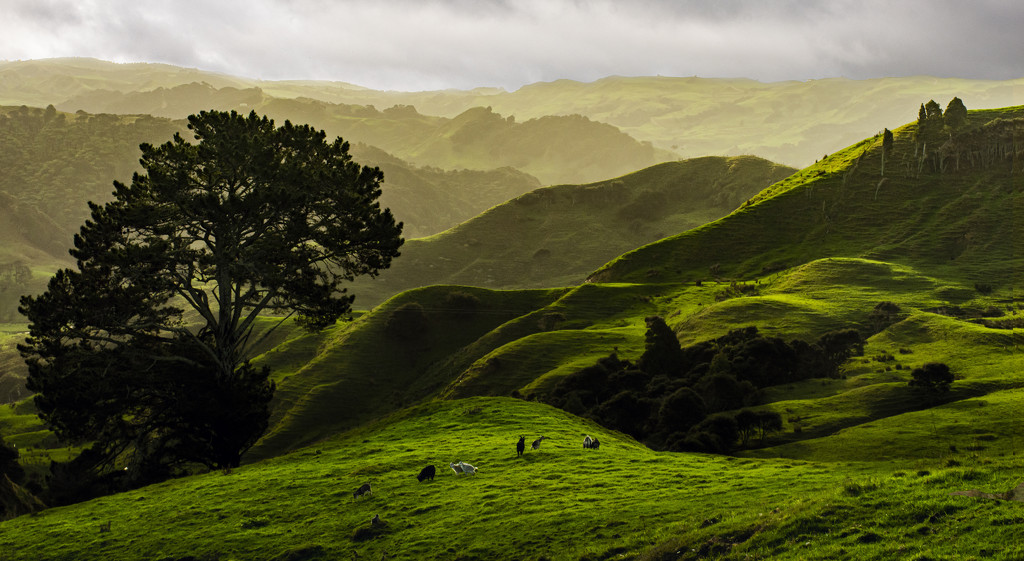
(934, 377)
(930, 124)
(666, 398)
(955, 116)
(250, 219)
(680, 411)
(9, 465)
(662, 352)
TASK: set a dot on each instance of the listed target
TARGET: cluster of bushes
(694, 398)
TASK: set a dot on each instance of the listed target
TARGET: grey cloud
(426, 44)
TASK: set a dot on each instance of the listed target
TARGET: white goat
(462, 467)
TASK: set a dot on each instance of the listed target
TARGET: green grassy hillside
(340, 378)
(958, 224)
(792, 273)
(559, 502)
(555, 236)
(863, 468)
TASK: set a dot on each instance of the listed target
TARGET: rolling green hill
(560, 502)
(555, 236)
(864, 466)
(960, 224)
(812, 253)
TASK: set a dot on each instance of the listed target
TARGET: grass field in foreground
(559, 502)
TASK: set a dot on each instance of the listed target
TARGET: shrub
(883, 315)
(934, 376)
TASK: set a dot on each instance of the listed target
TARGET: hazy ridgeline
(791, 122)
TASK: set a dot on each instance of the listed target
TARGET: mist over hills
(794, 123)
(555, 149)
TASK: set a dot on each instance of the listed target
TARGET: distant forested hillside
(790, 122)
(54, 162)
(555, 149)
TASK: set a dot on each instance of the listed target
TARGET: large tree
(142, 348)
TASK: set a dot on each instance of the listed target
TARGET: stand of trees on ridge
(686, 398)
(946, 141)
(249, 219)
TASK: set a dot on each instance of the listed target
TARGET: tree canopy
(171, 276)
(955, 116)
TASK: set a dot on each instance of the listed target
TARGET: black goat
(426, 473)
(521, 445)
(364, 490)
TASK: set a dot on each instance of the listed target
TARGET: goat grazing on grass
(536, 443)
(587, 442)
(426, 473)
(595, 444)
(521, 446)
(462, 467)
(364, 490)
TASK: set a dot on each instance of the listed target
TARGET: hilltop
(555, 236)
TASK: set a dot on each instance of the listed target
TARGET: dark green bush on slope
(679, 398)
(934, 376)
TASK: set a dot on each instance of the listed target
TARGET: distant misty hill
(554, 149)
(791, 122)
(53, 163)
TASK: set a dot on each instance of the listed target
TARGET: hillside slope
(962, 223)
(555, 236)
(559, 502)
(782, 265)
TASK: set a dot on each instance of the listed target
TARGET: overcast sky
(424, 44)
